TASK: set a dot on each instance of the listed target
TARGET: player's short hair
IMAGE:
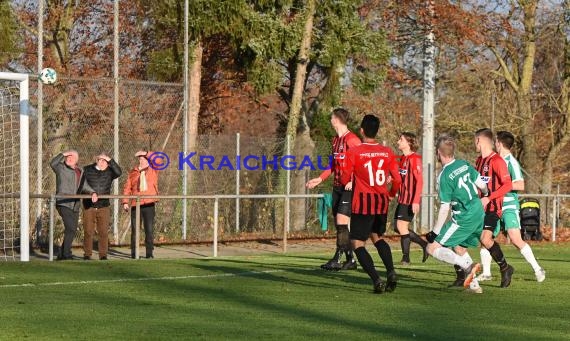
(484, 132)
(506, 138)
(412, 140)
(446, 145)
(370, 125)
(342, 114)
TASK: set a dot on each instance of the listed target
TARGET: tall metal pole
(237, 182)
(428, 158)
(116, 114)
(185, 123)
(40, 126)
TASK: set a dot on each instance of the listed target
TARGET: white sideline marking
(143, 279)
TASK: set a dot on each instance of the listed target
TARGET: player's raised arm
(500, 168)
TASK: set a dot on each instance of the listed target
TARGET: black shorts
(341, 201)
(404, 212)
(362, 225)
(491, 220)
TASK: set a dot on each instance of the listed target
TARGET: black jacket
(101, 182)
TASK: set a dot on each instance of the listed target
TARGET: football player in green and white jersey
(510, 219)
(457, 189)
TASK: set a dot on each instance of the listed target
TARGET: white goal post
(24, 161)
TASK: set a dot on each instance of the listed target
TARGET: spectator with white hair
(69, 179)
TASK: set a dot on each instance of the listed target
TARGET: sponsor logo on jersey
(485, 179)
(339, 156)
(403, 171)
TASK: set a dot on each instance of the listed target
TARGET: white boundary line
(143, 279)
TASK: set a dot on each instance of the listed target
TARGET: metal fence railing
(213, 226)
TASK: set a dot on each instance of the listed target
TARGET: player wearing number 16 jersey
(367, 168)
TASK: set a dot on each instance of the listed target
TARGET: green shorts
(511, 219)
(466, 235)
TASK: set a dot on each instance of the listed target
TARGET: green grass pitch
(275, 297)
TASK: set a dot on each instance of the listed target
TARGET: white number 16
(376, 179)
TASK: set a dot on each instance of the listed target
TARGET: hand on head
(103, 156)
(71, 158)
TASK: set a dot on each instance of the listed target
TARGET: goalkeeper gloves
(431, 236)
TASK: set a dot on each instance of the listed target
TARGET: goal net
(14, 192)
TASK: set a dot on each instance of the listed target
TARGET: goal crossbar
(24, 161)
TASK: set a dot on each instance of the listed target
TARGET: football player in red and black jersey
(368, 167)
(409, 195)
(341, 198)
(495, 174)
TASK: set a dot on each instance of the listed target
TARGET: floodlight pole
(116, 80)
(428, 159)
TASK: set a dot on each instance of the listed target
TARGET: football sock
(459, 272)
(486, 261)
(526, 251)
(466, 261)
(349, 256)
(417, 239)
(498, 256)
(448, 256)
(342, 238)
(386, 254)
(337, 255)
(367, 263)
(405, 242)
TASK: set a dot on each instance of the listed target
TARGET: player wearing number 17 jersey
(367, 169)
(457, 189)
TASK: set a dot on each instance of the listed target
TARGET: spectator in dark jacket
(99, 176)
(69, 180)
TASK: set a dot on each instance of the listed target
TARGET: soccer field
(277, 297)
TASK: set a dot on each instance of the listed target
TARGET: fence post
(287, 199)
(554, 214)
(137, 226)
(215, 246)
(51, 225)
(237, 179)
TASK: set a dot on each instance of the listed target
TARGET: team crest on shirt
(338, 156)
(486, 169)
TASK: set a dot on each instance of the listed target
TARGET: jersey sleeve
(418, 178)
(500, 169)
(515, 170)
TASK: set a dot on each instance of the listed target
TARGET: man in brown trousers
(99, 176)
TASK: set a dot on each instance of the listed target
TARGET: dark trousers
(70, 221)
(147, 219)
(96, 218)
